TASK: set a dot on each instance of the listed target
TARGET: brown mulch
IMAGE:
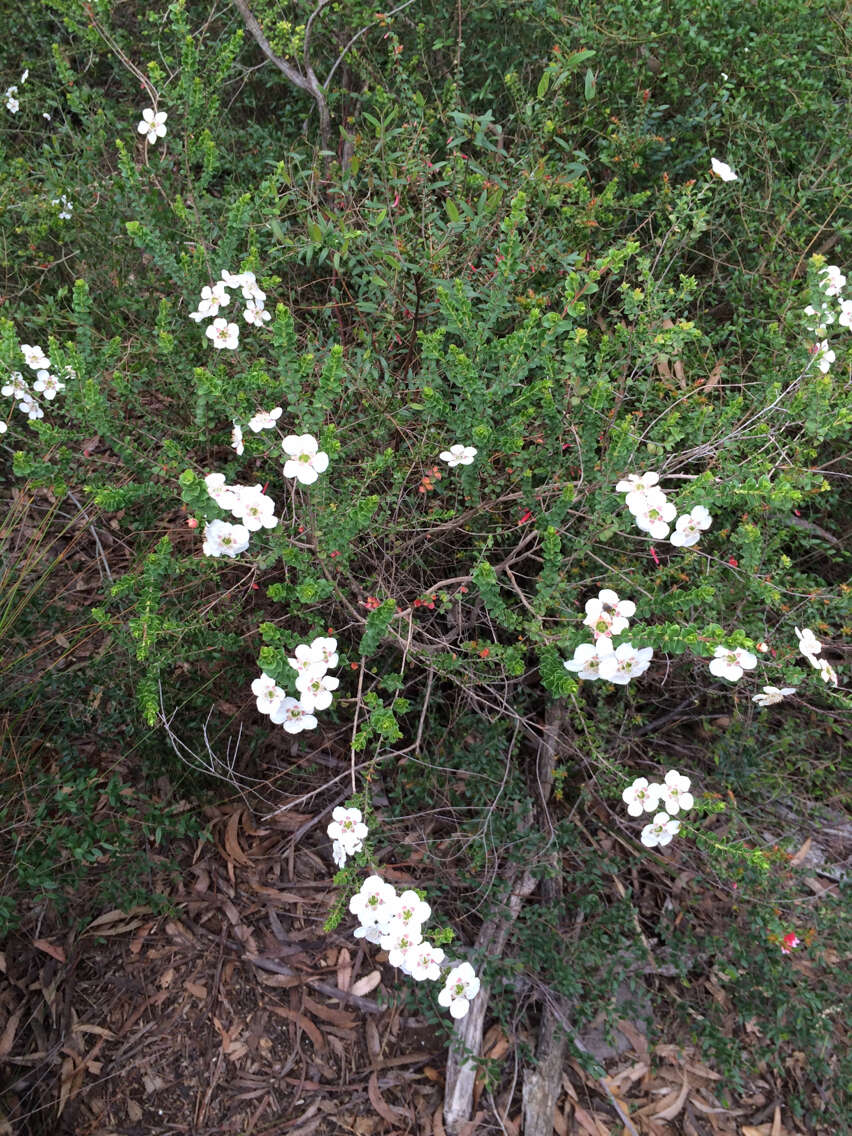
(236, 1014)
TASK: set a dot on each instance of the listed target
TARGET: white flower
(48, 385)
(254, 508)
(35, 357)
(373, 903)
(237, 439)
(305, 460)
(423, 962)
(223, 334)
(265, 419)
(224, 495)
(825, 356)
(831, 280)
(307, 661)
(398, 940)
(232, 279)
(3, 427)
(654, 514)
(641, 796)
(31, 408)
(809, 645)
(722, 170)
(17, 387)
(608, 615)
(638, 483)
(689, 527)
(268, 693)
(675, 794)
(293, 715)
(12, 104)
(316, 690)
(326, 650)
(772, 695)
(256, 314)
(212, 299)
(819, 318)
(587, 658)
(339, 853)
(67, 207)
(461, 985)
(410, 910)
(25, 75)
(44, 114)
(826, 671)
(845, 317)
(371, 933)
(224, 539)
(624, 663)
(730, 662)
(660, 831)
(153, 125)
(459, 455)
(347, 825)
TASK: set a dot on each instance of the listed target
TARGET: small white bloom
(254, 508)
(316, 690)
(587, 658)
(305, 460)
(35, 357)
(347, 825)
(17, 387)
(825, 356)
(44, 114)
(153, 125)
(268, 693)
(372, 933)
(459, 455)
(223, 494)
(641, 796)
(608, 615)
(224, 539)
(12, 104)
(809, 645)
(819, 319)
(638, 483)
(826, 671)
(237, 439)
(461, 986)
(223, 334)
(48, 385)
(722, 170)
(25, 75)
(256, 314)
(772, 695)
(831, 280)
(373, 902)
(293, 715)
(660, 831)
(624, 663)
(265, 419)
(730, 662)
(423, 962)
(307, 661)
(31, 408)
(339, 853)
(845, 317)
(326, 650)
(675, 794)
(3, 427)
(398, 940)
(410, 910)
(654, 515)
(689, 527)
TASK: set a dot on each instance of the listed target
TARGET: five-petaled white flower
(730, 662)
(587, 658)
(254, 508)
(153, 124)
(237, 439)
(654, 514)
(458, 455)
(265, 419)
(809, 645)
(326, 650)
(424, 962)
(212, 299)
(293, 715)
(12, 103)
(48, 385)
(831, 280)
(624, 663)
(608, 615)
(689, 527)
(373, 902)
(224, 539)
(398, 940)
(722, 170)
(223, 494)
(255, 313)
(641, 796)
(17, 387)
(826, 671)
(772, 695)
(35, 357)
(461, 985)
(845, 317)
(307, 661)
(316, 690)
(660, 831)
(348, 828)
(305, 460)
(675, 794)
(223, 334)
(636, 486)
(825, 356)
(268, 693)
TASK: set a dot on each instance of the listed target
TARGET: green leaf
(452, 210)
(591, 85)
(543, 84)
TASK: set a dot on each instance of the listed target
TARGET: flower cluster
(310, 661)
(831, 283)
(395, 922)
(253, 509)
(672, 793)
(221, 333)
(10, 95)
(608, 616)
(653, 512)
(153, 124)
(347, 832)
(65, 206)
(46, 384)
